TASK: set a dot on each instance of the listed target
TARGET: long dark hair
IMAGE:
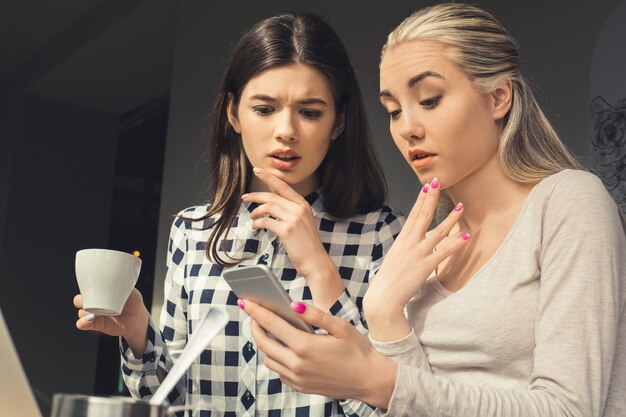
(350, 174)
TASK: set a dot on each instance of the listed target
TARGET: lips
(418, 154)
(284, 154)
(284, 158)
(420, 158)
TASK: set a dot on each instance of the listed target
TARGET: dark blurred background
(103, 108)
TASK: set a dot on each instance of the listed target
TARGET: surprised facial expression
(287, 118)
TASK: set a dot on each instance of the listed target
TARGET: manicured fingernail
(425, 188)
(244, 196)
(241, 304)
(257, 170)
(298, 307)
(465, 236)
(435, 183)
(458, 207)
(90, 317)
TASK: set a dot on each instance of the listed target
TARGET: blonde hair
(530, 149)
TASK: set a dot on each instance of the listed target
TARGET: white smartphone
(259, 284)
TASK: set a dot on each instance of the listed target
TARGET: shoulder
(577, 188)
(193, 218)
(391, 217)
(578, 200)
(382, 217)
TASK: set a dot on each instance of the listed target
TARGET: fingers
(448, 246)
(87, 321)
(265, 198)
(279, 186)
(445, 227)
(318, 318)
(275, 325)
(273, 209)
(78, 301)
(445, 242)
(426, 212)
(276, 354)
(421, 214)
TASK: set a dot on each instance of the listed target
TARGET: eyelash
(431, 103)
(428, 104)
(264, 111)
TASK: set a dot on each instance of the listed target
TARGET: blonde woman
(514, 304)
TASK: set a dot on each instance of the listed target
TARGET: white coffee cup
(105, 279)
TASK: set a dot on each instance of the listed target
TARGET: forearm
(422, 394)
(138, 339)
(325, 284)
(385, 316)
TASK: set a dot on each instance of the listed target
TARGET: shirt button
(263, 259)
(247, 399)
(248, 351)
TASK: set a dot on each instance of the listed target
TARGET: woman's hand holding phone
(339, 364)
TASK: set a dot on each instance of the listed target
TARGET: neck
(486, 193)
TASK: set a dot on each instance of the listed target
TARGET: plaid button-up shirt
(229, 379)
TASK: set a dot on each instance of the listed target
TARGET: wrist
(138, 339)
(386, 322)
(325, 284)
(321, 270)
(379, 390)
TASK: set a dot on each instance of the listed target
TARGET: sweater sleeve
(581, 302)
(166, 344)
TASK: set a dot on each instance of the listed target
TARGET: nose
(410, 128)
(285, 129)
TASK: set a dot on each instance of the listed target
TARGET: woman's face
(286, 118)
(441, 124)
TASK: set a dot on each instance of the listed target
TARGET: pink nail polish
(241, 304)
(298, 307)
(465, 236)
(257, 170)
(435, 183)
(425, 188)
(458, 207)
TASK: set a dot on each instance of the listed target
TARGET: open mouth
(418, 154)
(284, 155)
(421, 156)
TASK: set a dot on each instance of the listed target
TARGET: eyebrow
(310, 100)
(413, 81)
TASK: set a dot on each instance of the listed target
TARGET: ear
(231, 113)
(340, 125)
(501, 99)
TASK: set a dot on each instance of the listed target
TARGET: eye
(311, 114)
(394, 114)
(430, 103)
(263, 110)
